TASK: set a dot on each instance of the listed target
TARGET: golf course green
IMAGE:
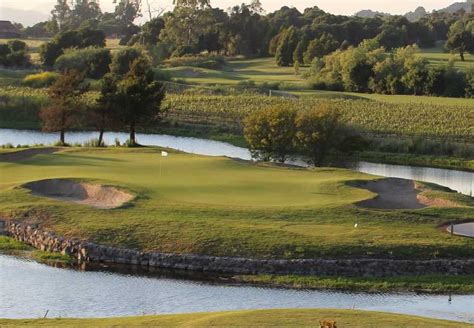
(218, 206)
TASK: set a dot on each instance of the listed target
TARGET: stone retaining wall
(91, 252)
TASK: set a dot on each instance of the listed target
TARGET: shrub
(92, 62)
(270, 133)
(40, 80)
(122, 60)
(317, 133)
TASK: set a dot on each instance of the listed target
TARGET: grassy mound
(217, 206)
(259, 318)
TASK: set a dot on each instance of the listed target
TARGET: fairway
(218, 206)
(259, 318)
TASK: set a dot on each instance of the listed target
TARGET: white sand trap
(392, 194)
(97, 196)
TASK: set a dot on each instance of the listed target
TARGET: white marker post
(163, 154)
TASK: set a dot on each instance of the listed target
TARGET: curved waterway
(459, 181)
(29, 289)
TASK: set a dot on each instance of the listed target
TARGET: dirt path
(26, 154)
(392, 194)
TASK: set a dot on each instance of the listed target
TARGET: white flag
(164, 153)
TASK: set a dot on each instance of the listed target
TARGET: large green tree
(461, 38)
(65, 104)
(139, 96)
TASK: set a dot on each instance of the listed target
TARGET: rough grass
(255, 318)
(223, 207)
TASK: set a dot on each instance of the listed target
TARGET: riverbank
(260, 318)
(215, 133)
(11, 246)
(432, 284)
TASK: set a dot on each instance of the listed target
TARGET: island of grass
(259, 318)
(190, 204)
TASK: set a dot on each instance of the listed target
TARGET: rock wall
(91, 252)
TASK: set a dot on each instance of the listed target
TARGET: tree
(317, 133)
(65, 95)
(286, 48)
(460, 39)
(321, 47)
(104, 114)
(122, 60)
(139, 96)
(270, 133)
(92, 62)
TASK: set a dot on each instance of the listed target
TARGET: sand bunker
(97, 196)
(392, 194)
(25, 154)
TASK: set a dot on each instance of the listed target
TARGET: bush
(93, 62)
(14, 54)
(270, 133)
(122, 60)
(318, 133)
(40, 80)
(81, 38)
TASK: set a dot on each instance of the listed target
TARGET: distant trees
(460, 39)
(286, 48)
(275, 134)
(82, 38)
(65, 104)
(14, 54)
(92, 62)
(369, 68)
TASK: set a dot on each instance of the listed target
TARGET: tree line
(278, 133)
(129, 97)
(370, 68)
(194, 26)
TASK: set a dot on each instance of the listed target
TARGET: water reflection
(28, 289)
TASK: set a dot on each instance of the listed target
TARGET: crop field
(261, 318)
(218, 206)
(424, 119)
(20, 106)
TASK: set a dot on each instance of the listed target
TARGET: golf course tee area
(190, 204)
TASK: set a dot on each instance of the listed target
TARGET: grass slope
(256, 318)
(223, 207)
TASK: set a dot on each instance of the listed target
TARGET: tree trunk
(101, 137)
(133, 141)
(62, 138)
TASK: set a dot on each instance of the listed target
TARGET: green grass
(438, 57)
(425, 284)
(222, 207)
(9, 244)
(255, 318)
(260, 70)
